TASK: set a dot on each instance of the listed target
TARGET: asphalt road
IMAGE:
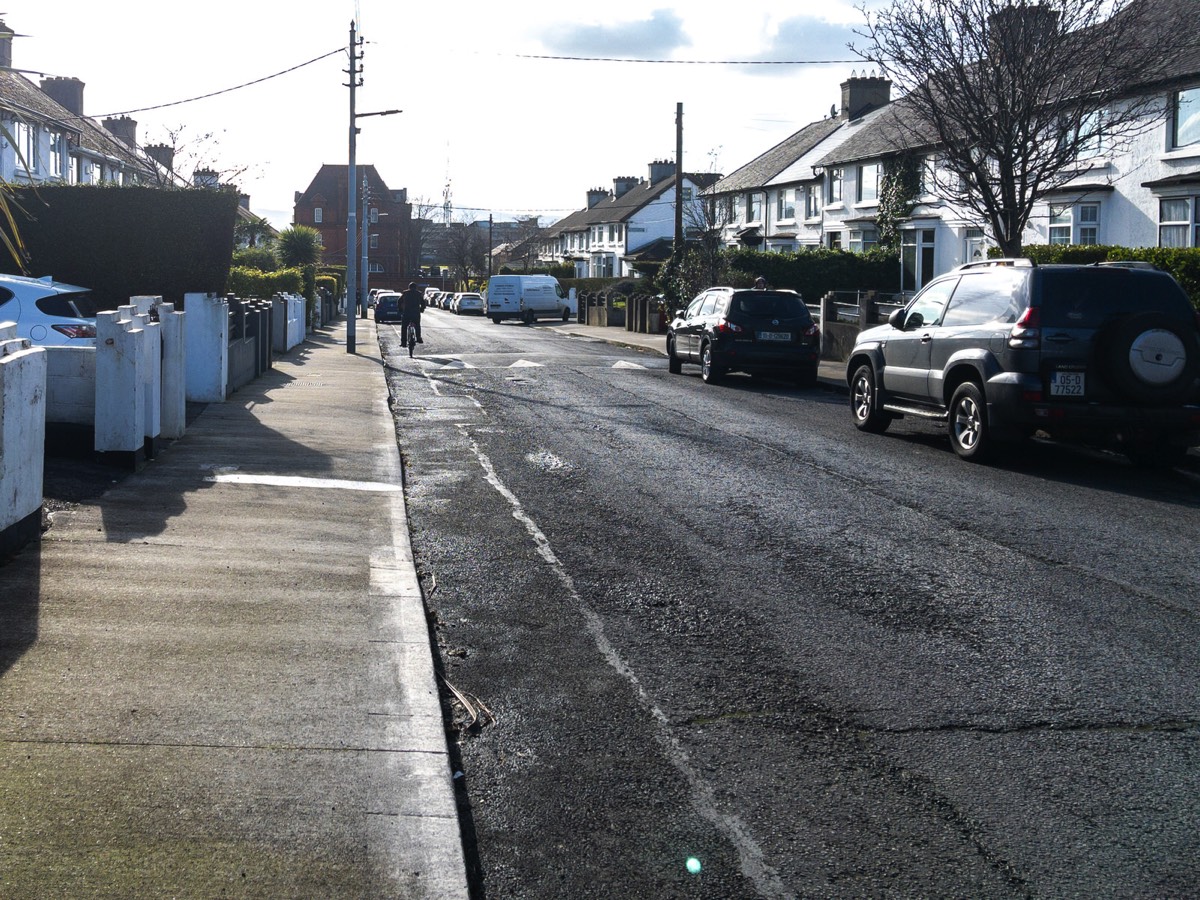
(713, 642)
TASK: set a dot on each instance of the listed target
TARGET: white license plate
(774, 335)
(1066, 384)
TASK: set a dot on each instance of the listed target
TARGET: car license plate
(1067, 384)
(774, 335)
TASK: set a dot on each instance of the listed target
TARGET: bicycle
(410, 337)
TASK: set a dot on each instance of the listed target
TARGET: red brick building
(389, 215)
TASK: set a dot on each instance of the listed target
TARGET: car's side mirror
(896, 319)
(679, 313)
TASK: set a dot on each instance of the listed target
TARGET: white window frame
(754, 207)
(834, 185)
(318, 215)
(1061, 225)
(1185, 118)
(1185, 222)
(867, 188)
(785, 210)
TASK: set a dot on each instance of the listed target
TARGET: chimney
(123, 129)
(623, 185)
(1024, 32)
(67, 92)
(162, 154)
(595, 195)
(863, 93)
(6, 38)
(244, 201)
(660, 169)
(205, 178)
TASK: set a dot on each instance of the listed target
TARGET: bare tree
(191, 153)
(1016, 95)
(466, 250)
(525, 240)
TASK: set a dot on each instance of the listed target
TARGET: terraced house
(821, 187)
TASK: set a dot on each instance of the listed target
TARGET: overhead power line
(227, 90)
(694, 62)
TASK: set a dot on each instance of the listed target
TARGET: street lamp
(355, 72)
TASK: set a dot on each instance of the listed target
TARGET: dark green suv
(1001, 350)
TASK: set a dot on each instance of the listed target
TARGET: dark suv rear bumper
(1012, 412)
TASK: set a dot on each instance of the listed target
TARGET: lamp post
(355, 72)
(366, 269)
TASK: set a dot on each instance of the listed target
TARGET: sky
(519, 107)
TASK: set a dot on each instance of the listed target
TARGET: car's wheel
(674, 363)
(566, 314)
(968, 423)
(1150, 358)
(495, 320)
(528, 317)
(864, 404)
(709, 371)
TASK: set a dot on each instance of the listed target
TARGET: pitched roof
(884, 132)
(762, 169)
(21, 96)
(621, 209)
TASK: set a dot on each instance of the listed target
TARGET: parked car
(387, 307)
(48, 312)
(728, 329)
(1002, 349)
(467, 303)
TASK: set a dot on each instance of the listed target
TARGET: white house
(1147, 195)
(636, 220)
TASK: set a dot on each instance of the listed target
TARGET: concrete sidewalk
(218, 679)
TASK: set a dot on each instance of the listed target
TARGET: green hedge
(1183, 263)
(127, 241)
(814, 273)
(246, 282)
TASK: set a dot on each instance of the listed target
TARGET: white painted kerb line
(753, 864)
(376, 487)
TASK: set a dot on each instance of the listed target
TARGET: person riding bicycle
(412, 303)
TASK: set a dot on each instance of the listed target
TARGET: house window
(612, 233)
(835, 186)
(1060, 225)
(318, 215)
(786, 205)
(1089, 224)
(833, 240)
(1179, 221)
(1185, 118)
(868, 184)
(754, 203)
(375, 267)
(28, 146)
(862, 239)
(812, 203)
(687, 193)
(374, 216)
(374, 242)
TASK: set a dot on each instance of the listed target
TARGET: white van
(526, 297)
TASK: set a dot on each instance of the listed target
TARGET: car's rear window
(1089, 297)
(763, 304)
(73, 305)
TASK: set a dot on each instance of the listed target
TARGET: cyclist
(412, 304)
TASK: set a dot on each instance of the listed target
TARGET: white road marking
(525, 364)
(753, 864)
(623, 364)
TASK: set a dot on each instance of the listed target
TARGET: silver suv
(1000, 350)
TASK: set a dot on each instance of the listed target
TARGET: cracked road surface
(716, 643)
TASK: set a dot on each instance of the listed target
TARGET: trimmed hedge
(1183, 263)
(246, 282)
(814, 273)
(127, 241)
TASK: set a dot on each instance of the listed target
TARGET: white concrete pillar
(206, 332)
(120, 397)
(22, 438)
(174, 371)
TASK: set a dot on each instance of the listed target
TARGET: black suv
(1003, 349)
(727, 329)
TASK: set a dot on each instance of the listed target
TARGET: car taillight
(726, 327)
(1026, 334)
(76, 331)
(813, 330)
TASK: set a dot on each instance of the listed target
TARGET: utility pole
(366, 228)
(355, 72)
(489, 245)
(677, 248)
